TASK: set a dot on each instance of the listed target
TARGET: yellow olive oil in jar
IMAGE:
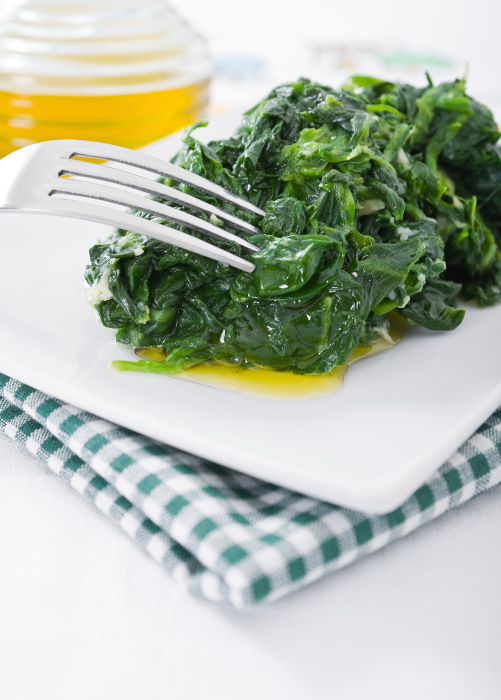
(125, 72)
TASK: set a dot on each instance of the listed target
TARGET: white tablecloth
(84, 614)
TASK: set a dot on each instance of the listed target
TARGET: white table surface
(85, 614)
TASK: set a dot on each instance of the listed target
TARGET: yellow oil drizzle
(267, 383)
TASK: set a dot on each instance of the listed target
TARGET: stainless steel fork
(34, 180)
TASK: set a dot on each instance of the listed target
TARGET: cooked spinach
(379, 197)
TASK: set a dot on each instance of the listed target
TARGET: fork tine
(107, 193)
(118, 154)
(121, 177)
(100, 213)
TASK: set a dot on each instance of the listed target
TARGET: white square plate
(398, 417)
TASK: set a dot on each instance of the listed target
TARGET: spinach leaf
(380, 198)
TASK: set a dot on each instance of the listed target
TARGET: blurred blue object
(239, 66)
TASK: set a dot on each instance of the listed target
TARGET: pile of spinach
(379, 197)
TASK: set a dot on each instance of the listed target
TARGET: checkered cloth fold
(225, 536)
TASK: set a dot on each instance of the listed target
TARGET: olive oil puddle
(267, 383)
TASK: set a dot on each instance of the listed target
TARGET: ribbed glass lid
(97, 47)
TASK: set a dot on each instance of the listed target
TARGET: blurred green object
(400, 58)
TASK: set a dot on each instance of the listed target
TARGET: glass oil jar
(125, 72)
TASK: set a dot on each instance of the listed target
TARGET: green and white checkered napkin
(226, 536)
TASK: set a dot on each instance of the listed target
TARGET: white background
(84, 614)
(294, 38)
